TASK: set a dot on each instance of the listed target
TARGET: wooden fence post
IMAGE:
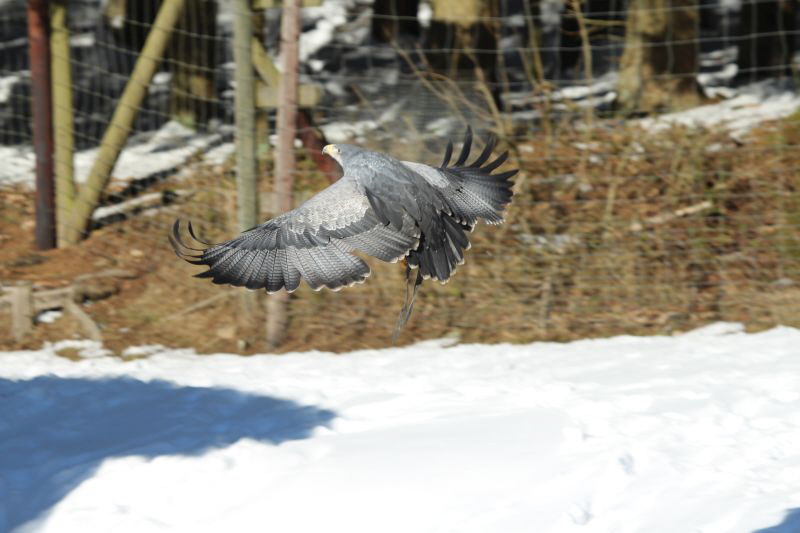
(244, 100)
(21, 309)
(63, 124)
(277, 304)
(117, 132)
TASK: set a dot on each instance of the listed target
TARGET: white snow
(737, 114)
(167, 148)
(49, 316)
(6, 84)
(342, 131)
(697, 432)
(425, 14)
(219, 154)
(327, 17)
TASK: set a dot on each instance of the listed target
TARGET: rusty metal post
(42, 108)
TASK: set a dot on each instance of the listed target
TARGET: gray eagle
(381, 207)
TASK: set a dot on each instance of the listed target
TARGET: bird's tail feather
(441, 249)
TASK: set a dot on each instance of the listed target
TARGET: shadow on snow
(54, 432)
(790, 524)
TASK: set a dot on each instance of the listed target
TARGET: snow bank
(697, 432)
(168, 148)
(738, 114)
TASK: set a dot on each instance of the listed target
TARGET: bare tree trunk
(245, 109)
(277, 304)
(392, 18)
(462, 37)
(658, 68)
(192, 48)
(766, 45)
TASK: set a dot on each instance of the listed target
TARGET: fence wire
(656, 141)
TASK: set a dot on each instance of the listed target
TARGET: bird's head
(341, 153)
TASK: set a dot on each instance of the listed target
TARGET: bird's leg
(412, 284)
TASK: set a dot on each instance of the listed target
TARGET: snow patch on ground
(219, 154)
(49, 316)
(327, 18)
(737, 114)
(6, 84)
(693, 432)
(339, 132)
(169, 147)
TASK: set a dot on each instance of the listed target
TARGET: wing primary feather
(505, 175)
(177, 236)
(195, 237)
(218, 268)
(496, 163)
(175, 248)
(487, 151)
(462, 158)
(448, 153)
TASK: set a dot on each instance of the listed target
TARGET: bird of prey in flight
(382, 207)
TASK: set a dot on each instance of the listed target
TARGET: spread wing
(445, 202)
(314, 242)
(470, 191)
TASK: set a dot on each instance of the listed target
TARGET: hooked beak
(329, 150)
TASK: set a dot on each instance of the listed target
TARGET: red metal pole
(42, 121)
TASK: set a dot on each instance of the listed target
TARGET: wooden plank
(263, 63)
(52, 299)
(308, 95)
(89, 326)
(21, 309)
(267, 97)
(461, 12)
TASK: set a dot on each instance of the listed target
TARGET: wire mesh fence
(656, 141)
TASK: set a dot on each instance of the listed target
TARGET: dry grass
(611, 231)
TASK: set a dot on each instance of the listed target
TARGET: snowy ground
(738, 113)
(698, 432)
(160, 151)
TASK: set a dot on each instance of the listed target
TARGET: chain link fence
(657, 142)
